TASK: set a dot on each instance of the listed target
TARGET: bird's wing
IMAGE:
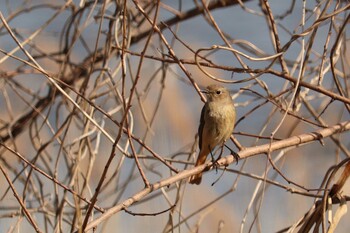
(201, 126)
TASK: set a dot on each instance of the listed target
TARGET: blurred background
(94, 66)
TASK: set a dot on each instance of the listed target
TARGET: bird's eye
(218, 92)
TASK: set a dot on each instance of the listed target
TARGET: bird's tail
(197, 178)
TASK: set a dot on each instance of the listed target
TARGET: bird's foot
(235, 155)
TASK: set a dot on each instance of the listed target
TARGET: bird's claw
(235, 155)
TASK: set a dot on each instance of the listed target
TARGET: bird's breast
(221, 112)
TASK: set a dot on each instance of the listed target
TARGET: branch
(225, 161)
(186, 15)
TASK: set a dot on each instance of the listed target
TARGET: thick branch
(225, 161)
(186, 15)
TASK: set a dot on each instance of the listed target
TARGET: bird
(216, 125)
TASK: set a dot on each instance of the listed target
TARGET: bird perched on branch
(217, 121)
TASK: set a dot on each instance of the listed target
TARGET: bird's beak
(205, 91)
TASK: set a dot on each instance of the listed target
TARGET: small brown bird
(217, 121)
